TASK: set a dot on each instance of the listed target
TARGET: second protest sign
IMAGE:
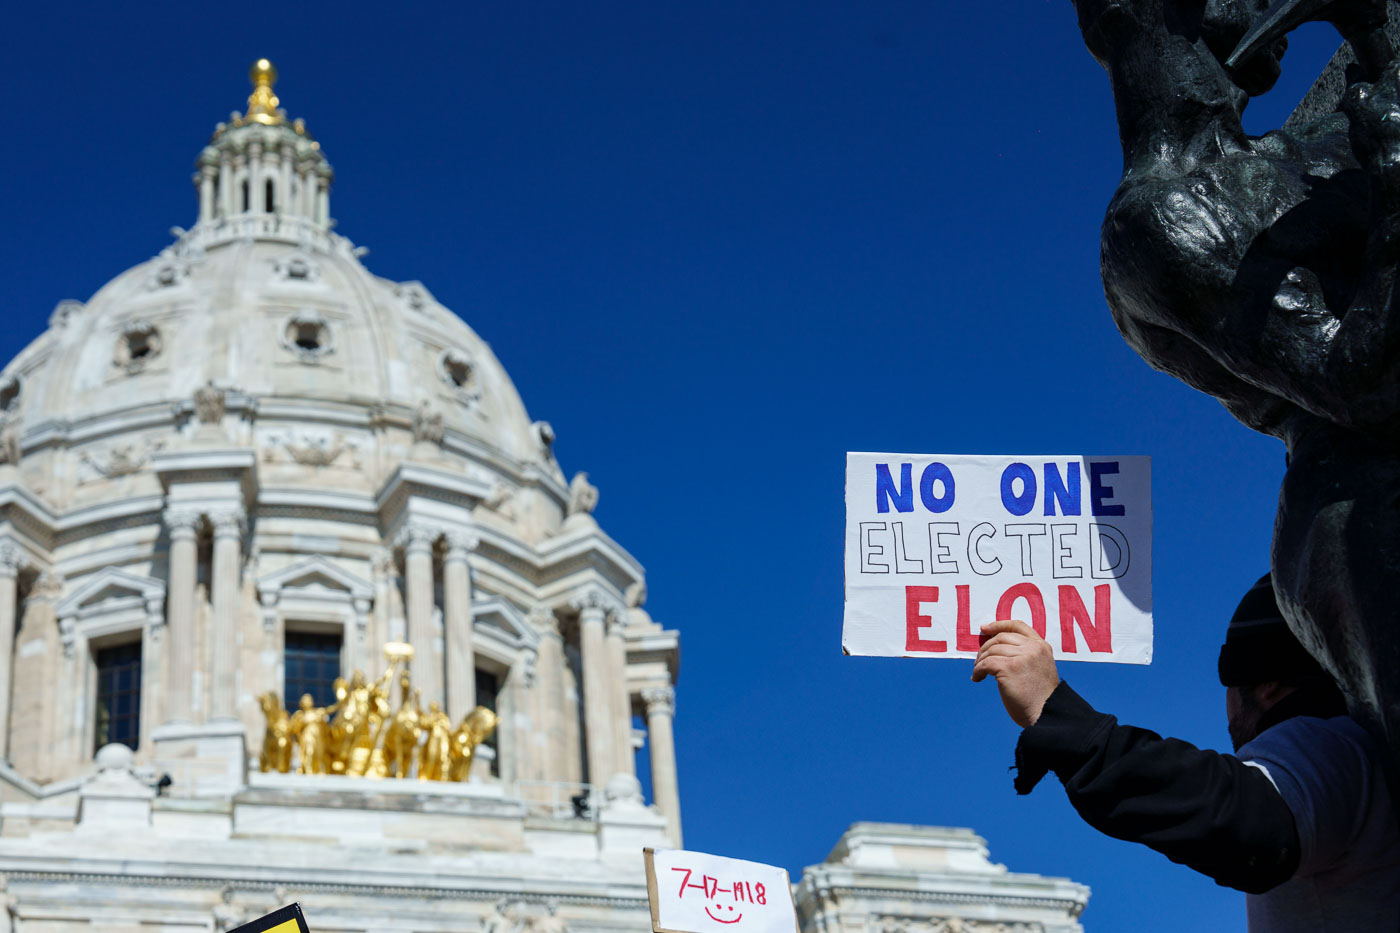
(938, 545)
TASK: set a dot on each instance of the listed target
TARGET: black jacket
(1209, 811)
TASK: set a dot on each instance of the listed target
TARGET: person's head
(306, 701)
(1262, 664)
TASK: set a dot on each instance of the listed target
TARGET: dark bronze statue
(1262, 270)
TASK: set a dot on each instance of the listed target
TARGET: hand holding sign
(938, 545)
(1023, 665)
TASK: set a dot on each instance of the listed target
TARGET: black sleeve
(1205, 810)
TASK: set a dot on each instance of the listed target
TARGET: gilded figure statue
(367, 737)
(277, 739)
(401, 739)
(311, 726)
(435, 760)
(476, 728)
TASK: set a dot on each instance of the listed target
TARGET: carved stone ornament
(461, 543)
(413, 296)
(417, 536)
(427, 424)
(545, 432)
(457, 371)
(138, 343)
(11, 558)
(296, 266)
(209, 402)
(307, 335)
(9, 445)
(583, 495)
(316, 451)
(597, 602)
(660, 699)
(182, 521)
(64, 313)
(229, 521)
(170, 272)
(1260, 269)
(118, 460)
(543, 619)
(501, 500)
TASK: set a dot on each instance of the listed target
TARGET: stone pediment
(109, 585)
(498, 619)
(316, 574)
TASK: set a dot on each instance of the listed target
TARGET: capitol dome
(249, 458)
(264, 300)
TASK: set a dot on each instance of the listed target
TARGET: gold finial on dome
(262, 103)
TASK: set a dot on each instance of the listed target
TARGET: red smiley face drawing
(730, 908)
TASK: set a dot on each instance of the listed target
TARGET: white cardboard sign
(692, 892)
(939, 545)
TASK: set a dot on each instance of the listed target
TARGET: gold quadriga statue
(361, 735)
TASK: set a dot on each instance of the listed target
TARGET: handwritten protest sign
(692, 892)
(937, 546)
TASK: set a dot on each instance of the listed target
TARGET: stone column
(381, 572)
(417, 542)
(179, 609)
(34, 719)
(74, 735)
(225, 193)
(255, 177)
(206, 192)
(361, 653)
(152, 668)
(457, 624)
(224, 598)
(284, 183)
(624, 756)
(599, 731)
(9, 572)
(665, 792)
(323, 199)
(547, 707)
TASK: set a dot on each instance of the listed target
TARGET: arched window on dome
(269, 197)
(245, 195)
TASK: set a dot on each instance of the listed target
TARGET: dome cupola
(261, 164)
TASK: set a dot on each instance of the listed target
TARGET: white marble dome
(272, 307)
(251, 437)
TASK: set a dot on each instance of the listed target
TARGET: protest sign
(938, 545)
(283, 920)
(692, 892)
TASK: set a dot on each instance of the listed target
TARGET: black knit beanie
(1258, 645)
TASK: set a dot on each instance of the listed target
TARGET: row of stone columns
(220, 193)
(608, 707)
(607, 698)
(444, 663)
(225, 593)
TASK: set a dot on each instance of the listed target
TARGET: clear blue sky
(718, 245)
